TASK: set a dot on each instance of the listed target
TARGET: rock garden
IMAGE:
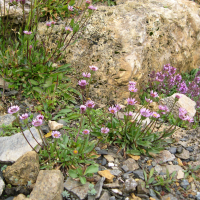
(91, 109)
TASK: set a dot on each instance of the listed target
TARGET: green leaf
(92, 169)
(33, 82)
(48, 82)
(37, 89)
(80, 171)
(64, 68)
(83, 180)
(151, 180)
(72, 173)
(151, 173)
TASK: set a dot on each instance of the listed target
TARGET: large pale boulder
(131, 39)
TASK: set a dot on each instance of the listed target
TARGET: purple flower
(172, 71)
(131, 101)
(24, 116)
(129, 113)
(145, 112)
(105, 130)
(93, 68)
(161, 107)
(90, 104)
(118, 107)
(37, 122)
(82, 84)
(67, 28)
(91, 7)
(87, 1)
(132, 89)
(178, 77)
(70, 8)
(182, 114)
(82, 108)
(112, 110)
(13, 109)
(178, 96)
(133, 83)
(52, 22)
(182, 87)
(55, 134)
(86, 132)
(27, 32)
(48, 24)
(86, 75)
(153, 94)
(189, 119)
(148, 100)
(155, 115)
(166, 67)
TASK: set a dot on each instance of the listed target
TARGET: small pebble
(175, 162)
(179, 149)
(152, 193)
(97, 149)
(184, 183)
(190, 149)
(104, 161)
(172, 150)
(103, 152)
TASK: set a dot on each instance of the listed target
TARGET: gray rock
(169, 196)
(129, 185)
(152, 193)
(2, 185)
(97, 149)
(10, 198)
(125, 168)
(77, 188)
(143, 196)
(115, 172)
(11, 93)
(164, 156)
(112, 198)
(141, 189)
(103, 161)
(184, 183)
(10, 153)
(126, 176)
(184, 155)
(198, 196)
(103, 152)
(131, 164)
(6, 120)
(179, 149)
(113, 185)
(61, 121)
(190, 149)
(173, 150)
(105, 196)
(45, 129)
(139, 174)
(98, 187)
(158, 188)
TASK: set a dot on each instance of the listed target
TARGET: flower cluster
(132, 87)
(114, 109)
(50, 23)
(38, 120)
(183, 115)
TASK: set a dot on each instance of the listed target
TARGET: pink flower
(118, 107)
(91, 7)
(13, 109)
(27, 32)
(153, 94)
(155, 115)
(86, 75)
(86, 132)
(52, 22)
(129, 113)
(48, 24)
(82, 83)
(145, 112)
(183, 114)
(24, 116)
(132, 89)
(37, 122)
(90, 104)
(30, 46)
(67, 28)
(87, 1)
(40, 116)
(55, 134)
(189, 119)
(112, 110)
(105, 130)
(93, 68)
(131, 101)
(148, 100)
(82, 108)
(161, 107)
(133, 83)
(178, 96)
(70, 8)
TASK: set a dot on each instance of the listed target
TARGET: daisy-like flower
(132, 88)
(40, 116)
(82, 108)
(189, 119)
(105, 130)
(82, 84)
(131, 101)
(55, 134)
(93, 68)
(67, 28)
(75, 151)
(129, 113)
(91, 7)
(24, 116)
(153, 94)
(148, 100)
(112, 110)
(133, 83)
(37, 122)
(118, 107)
(86, 132)
(48, 24)
(70, 8)
(155, 115)
(178, 96)
(13, 109)
(145, 112)
(27, 32)
(90, 104)
(86, 75)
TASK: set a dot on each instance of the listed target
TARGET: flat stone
(164, 156)
(117, 191)
(141, 189)
(169, 197)
(106, 173)
(180, 174)
(98, 187)
(115, 172)
(105, 196)
(53, 125)
(171, 168)
(109, 158)
(6, 120)
(102, 152)
(77, 188)
(20, 197)
(184, 155)
(10, 153)
(24, 170)
(2, 185)
(131, 164)
(49, 185)
(158, 168)
(173, 150)
(184, 184)
(129, 185)
(139, 174)
(113, 185)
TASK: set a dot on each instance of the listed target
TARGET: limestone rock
(20, 197)
(10, 153)
(109, 158)
(6, 119)
(54, 125)
(106, 173)
(180, 174)
(2, 185)
(130, 185)
(77, 188)
(164, 156)
(25, 169)
(184, 155)
(131, 164)
(171, 168)
(184, 102)
(49, 185)
(105, 196)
